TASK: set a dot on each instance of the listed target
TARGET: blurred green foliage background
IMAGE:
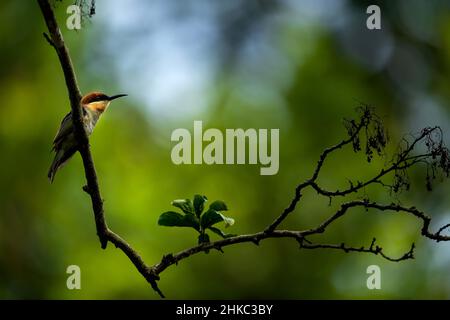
(300, 66)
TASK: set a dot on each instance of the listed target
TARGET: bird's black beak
(116, 96)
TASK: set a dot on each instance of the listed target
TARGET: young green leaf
(203, 238)
(175, 219)
(221, 233)
(199, 204)
(228, 221)
(184, 204)
(218, 206)
(209, 218)
(192, 221)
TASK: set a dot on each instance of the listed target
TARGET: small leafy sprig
(195, 217)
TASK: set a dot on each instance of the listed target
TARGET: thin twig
(372, 250)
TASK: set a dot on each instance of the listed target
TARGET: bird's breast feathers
(90, 120)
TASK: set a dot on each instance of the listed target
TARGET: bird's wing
(65, 128)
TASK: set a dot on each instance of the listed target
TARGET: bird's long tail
(54, 166)
(59, 161)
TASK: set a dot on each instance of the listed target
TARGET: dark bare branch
(92, 188)
(403, 161)
(373, 249)
(57, 41)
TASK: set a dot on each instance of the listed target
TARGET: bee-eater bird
(65, 145)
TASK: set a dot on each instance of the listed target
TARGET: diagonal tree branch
(311, 181)
(57, 42)
(301, 236)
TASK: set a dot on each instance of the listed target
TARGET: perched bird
(65, 144)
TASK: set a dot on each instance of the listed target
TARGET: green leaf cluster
(195, 216)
